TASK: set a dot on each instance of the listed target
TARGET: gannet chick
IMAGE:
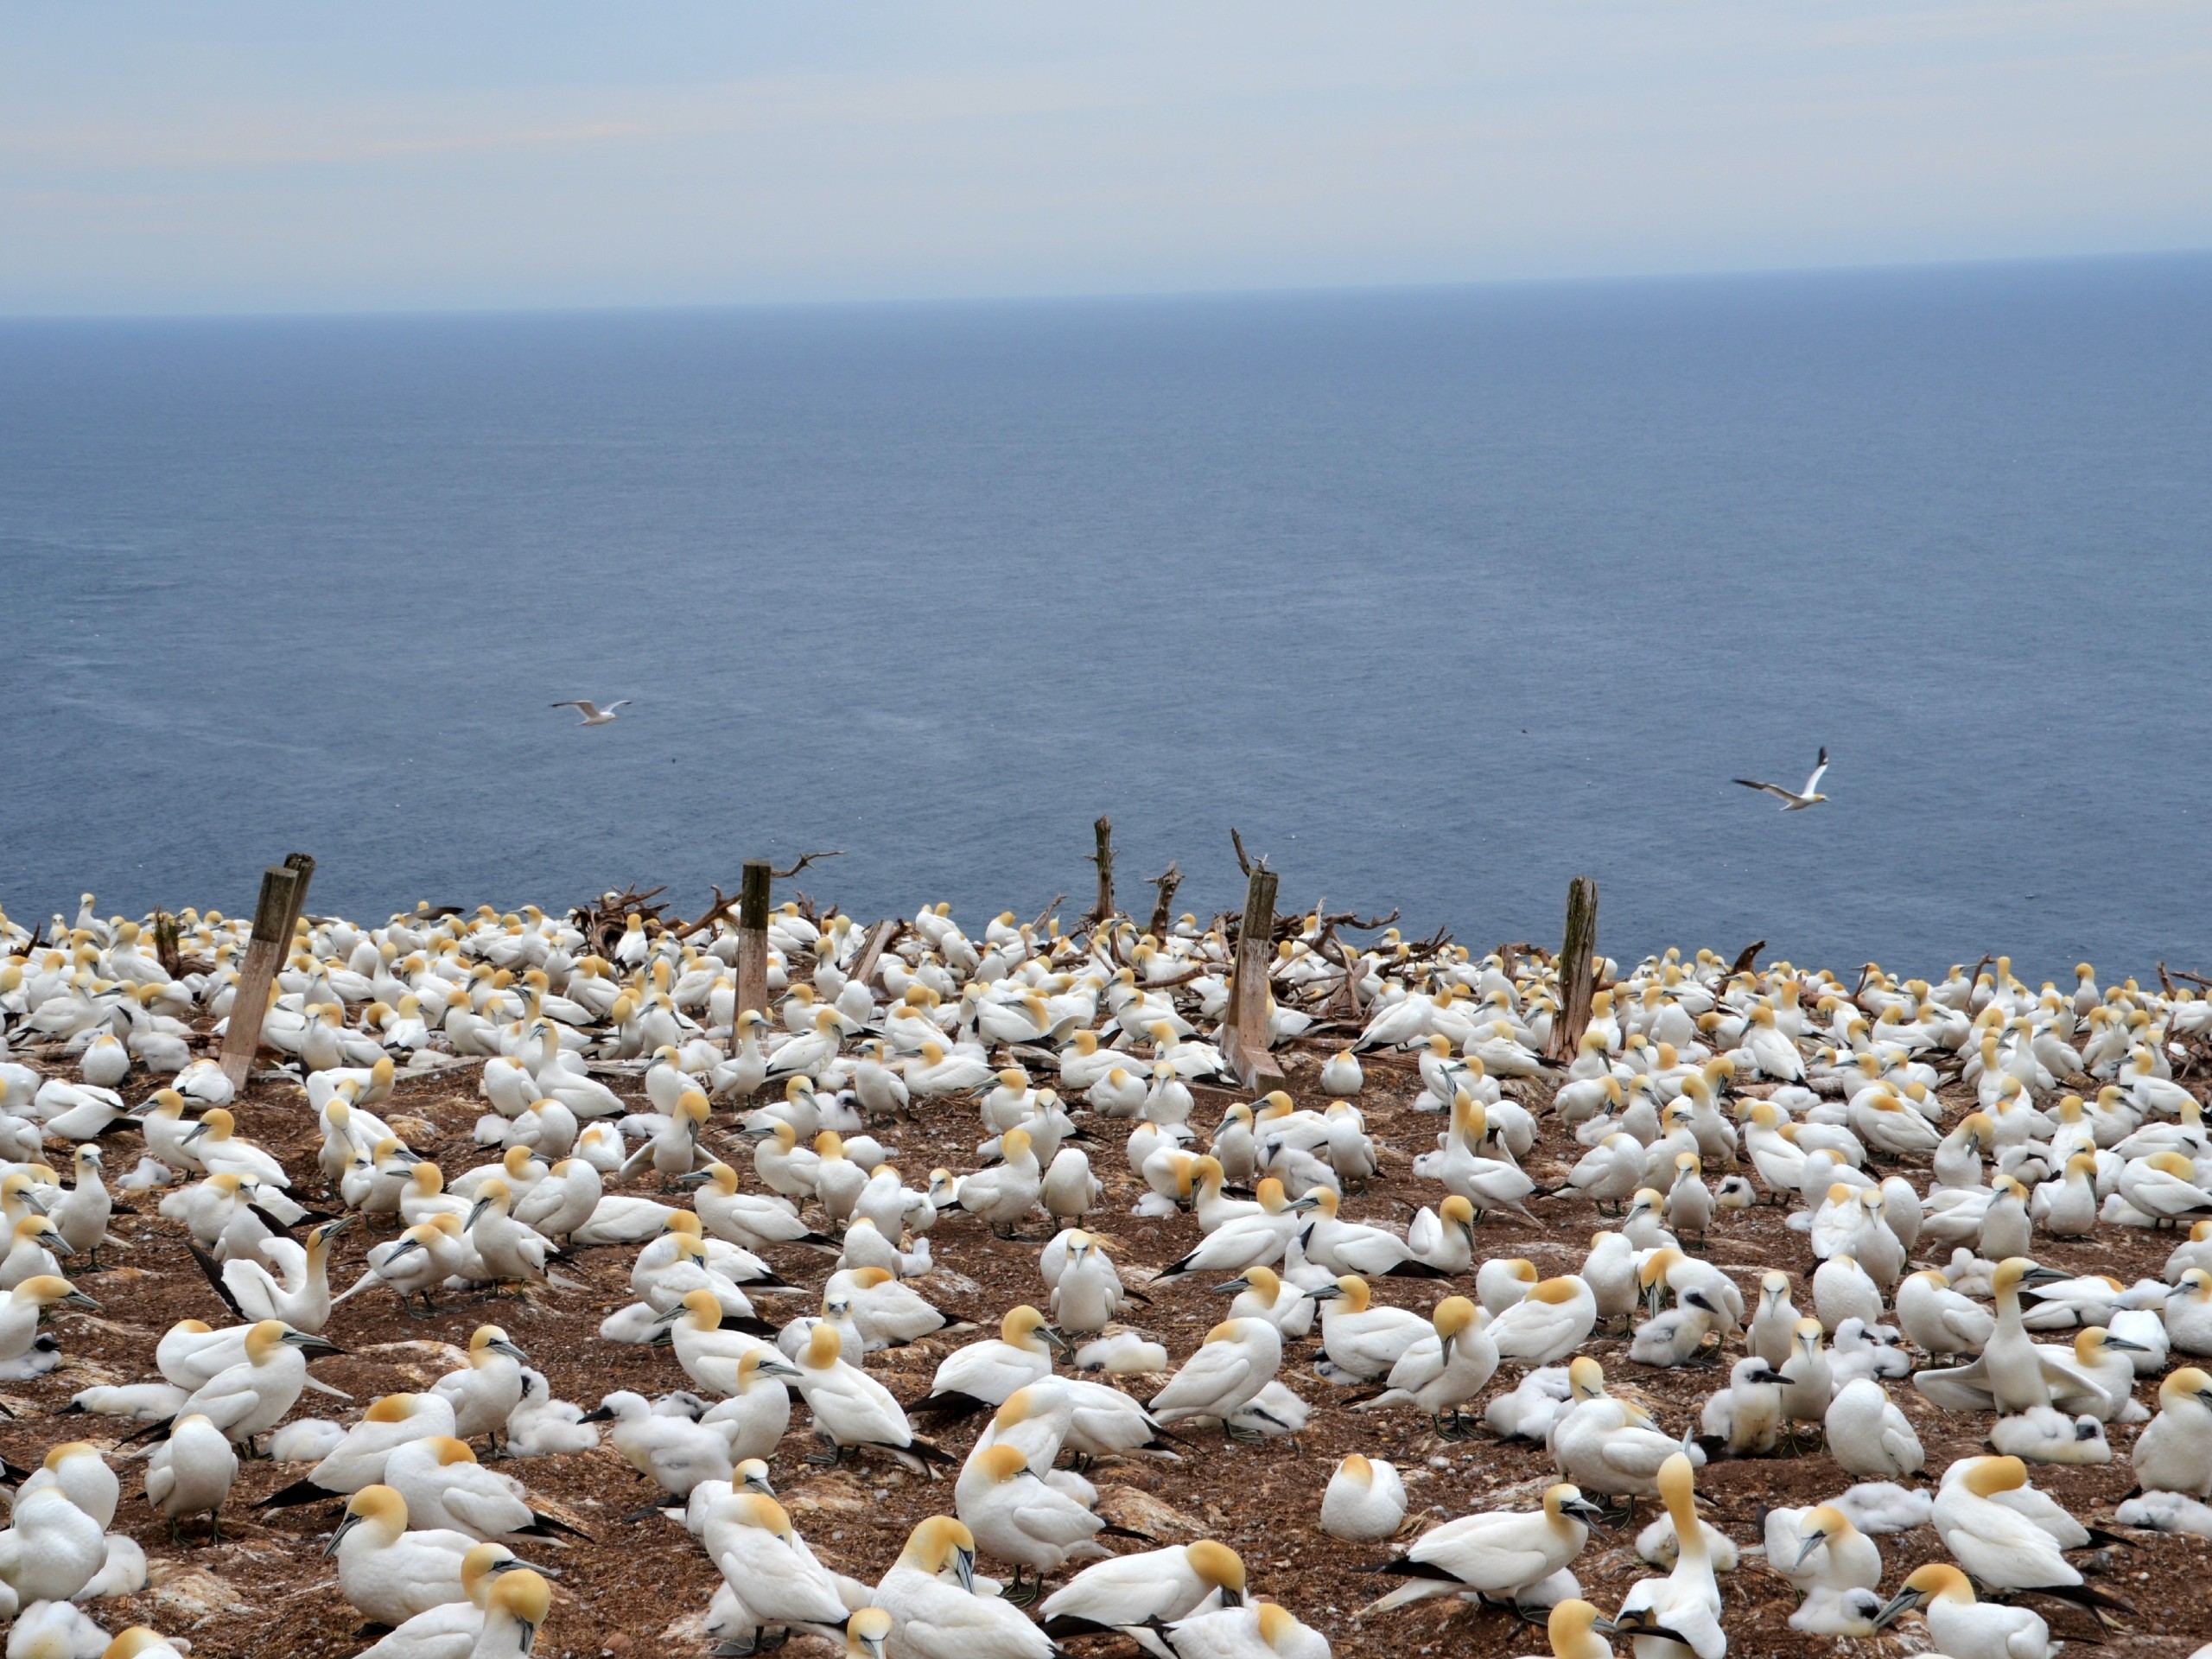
(1495, 1556)
(2044, 1435)
(1745, 1417)
(1675, 1337)
(1364, 1501)
(542, 1426)
(1827, 1559)
(675, 1451)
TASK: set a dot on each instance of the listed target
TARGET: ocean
(1440, 597)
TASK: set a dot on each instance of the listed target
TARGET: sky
(255, 157)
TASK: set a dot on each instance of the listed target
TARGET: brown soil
(621, 1591)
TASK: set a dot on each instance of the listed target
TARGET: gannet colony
(960, 1301)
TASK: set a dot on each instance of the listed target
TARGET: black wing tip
(1413, 1268)
(302, 1490)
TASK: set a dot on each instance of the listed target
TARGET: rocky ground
(637, 1587)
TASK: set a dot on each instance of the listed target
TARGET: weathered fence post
(1103, 858)
(1578, 969)
(276, 915)
(1246, 1048)
(752, 944)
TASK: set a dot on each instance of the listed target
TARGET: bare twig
(2164, 980)
(804, 859)
(1044, 915)
(1747, 958)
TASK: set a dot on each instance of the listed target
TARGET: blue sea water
(1439, 596)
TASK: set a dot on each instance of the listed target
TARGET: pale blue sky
(262, 156)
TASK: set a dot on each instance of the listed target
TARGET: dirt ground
(266, 1590)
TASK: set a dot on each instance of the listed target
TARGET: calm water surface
(1440, 597)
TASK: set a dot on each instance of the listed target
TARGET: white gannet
(1868, 1436)
(1551, 1322)
(981, 1376)
(190, 1474)
(1495, 1556)
(387, 1572)
(2011, 1373)
(2174, 1452)
(1364, 1500)
(1441, 1372)
(1966, 1628)
(1237, 1359)
(1129, 1594)
(852, 1409)
(935, 1610)
(1664, 1616)
(1017, 1515)
(1362, 1341)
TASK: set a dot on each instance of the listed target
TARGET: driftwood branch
(1244, 860)
(714, 913)
(1045, 915)
(1167, 880)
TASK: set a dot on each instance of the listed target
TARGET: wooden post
(1578, 969)
(1103, 858)
(165, 950)
(1245, 1036)
(752, 944)
(284, 894)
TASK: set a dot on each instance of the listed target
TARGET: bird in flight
(1800, 799)
(595, 715)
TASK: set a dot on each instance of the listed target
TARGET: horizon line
(1046, 297)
